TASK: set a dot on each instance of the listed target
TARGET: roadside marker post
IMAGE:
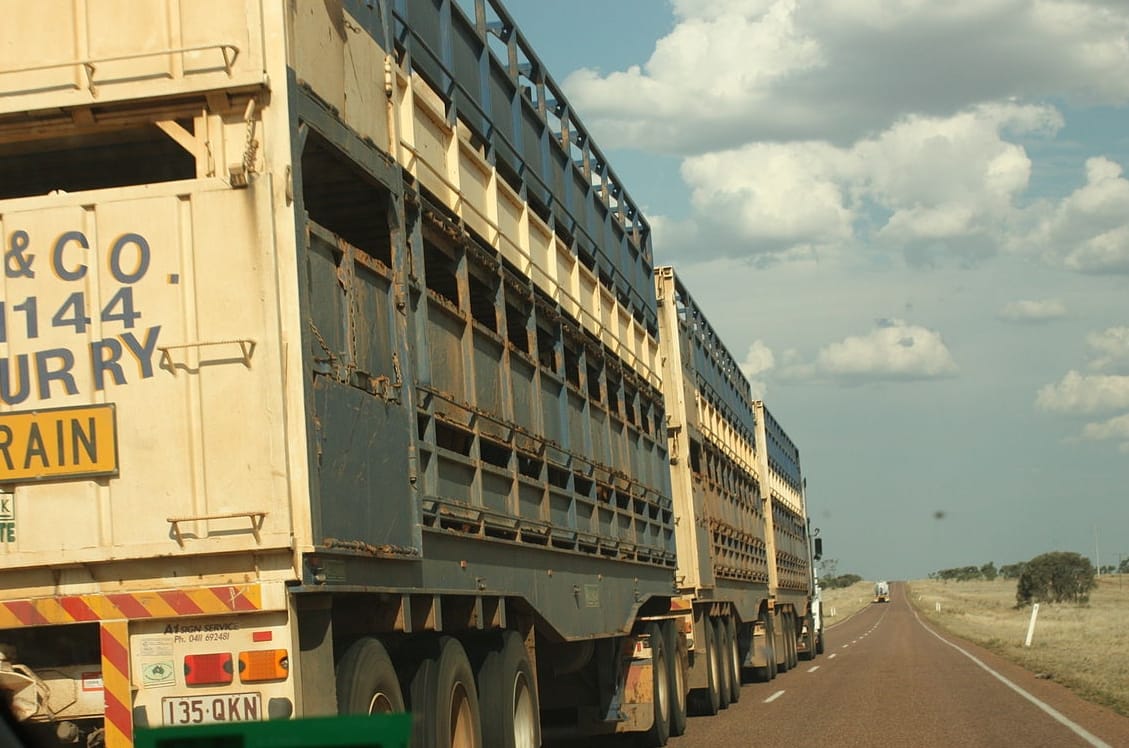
(1031, 626)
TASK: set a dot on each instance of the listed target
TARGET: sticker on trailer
(92, 682)
(7, 518)
(159, 674)
(153, 646)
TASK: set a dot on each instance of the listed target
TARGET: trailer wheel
(659, 733)
(706, 701)
(786, 638)
(733, 659)
(784, 657)
(765, 673)
(678, 658)
(366, 680)
(819, 643)
(444, 700)
(809, 639)
(721, 639)
(507, 693)
(793, 648)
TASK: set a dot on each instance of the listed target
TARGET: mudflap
(637, 706)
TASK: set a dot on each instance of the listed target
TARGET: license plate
(226, 707)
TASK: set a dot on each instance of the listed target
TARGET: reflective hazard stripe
(161, 604)
(115, 684)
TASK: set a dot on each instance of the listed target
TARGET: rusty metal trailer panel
(372, 300)
(714, 466)
(744, 564)
(294, 331)
(781, 465)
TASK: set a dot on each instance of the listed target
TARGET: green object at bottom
(350, 731)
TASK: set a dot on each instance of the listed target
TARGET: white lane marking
(844, 646)
(813, 668)
(1058, 716)
(774, 697)
(833, 655)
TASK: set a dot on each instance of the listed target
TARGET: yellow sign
(58, 443)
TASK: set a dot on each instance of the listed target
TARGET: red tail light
(208, 669)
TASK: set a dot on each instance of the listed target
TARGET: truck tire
(786, 639)
(773, 669)
(765, 673)
(734, 659)
(366, 680)
(678, 658)
(659, 733)
(721, 639)
(507, 693)
(783, 655)
(444, 699)
(793, 647)
(706, 701)
(809, 639)
(819, 643)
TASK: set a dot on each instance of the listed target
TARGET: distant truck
(882, 592)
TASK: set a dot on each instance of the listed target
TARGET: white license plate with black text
(225, 707)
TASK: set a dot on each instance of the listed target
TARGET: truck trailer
(744, 564)
(331, 383)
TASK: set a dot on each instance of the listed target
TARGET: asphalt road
(887, 678)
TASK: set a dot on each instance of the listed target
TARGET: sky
(910, 221)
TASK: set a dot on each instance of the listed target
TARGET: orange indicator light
(264, 664)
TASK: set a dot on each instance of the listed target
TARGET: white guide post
(1031, 626)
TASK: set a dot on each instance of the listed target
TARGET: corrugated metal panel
(717, 483)
(71, 53)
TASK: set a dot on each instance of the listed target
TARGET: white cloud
(731, 71)
(1114, 428)
(759, 359)
(1112, 346)
(815, 127)
(1079, 393)
(1089, 229)
(772, 195)
(923, 186)
(1104, 253)
(893, 351)
(1026, 310)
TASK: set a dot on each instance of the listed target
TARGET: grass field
(1084, 647)
(846, 601)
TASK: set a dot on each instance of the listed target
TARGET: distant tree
(1108, 569)
(968, 573)
(1058, 576)
(959, 573)
(1012, 571)
(843, 580)
(1123, 567)
(988, 571)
